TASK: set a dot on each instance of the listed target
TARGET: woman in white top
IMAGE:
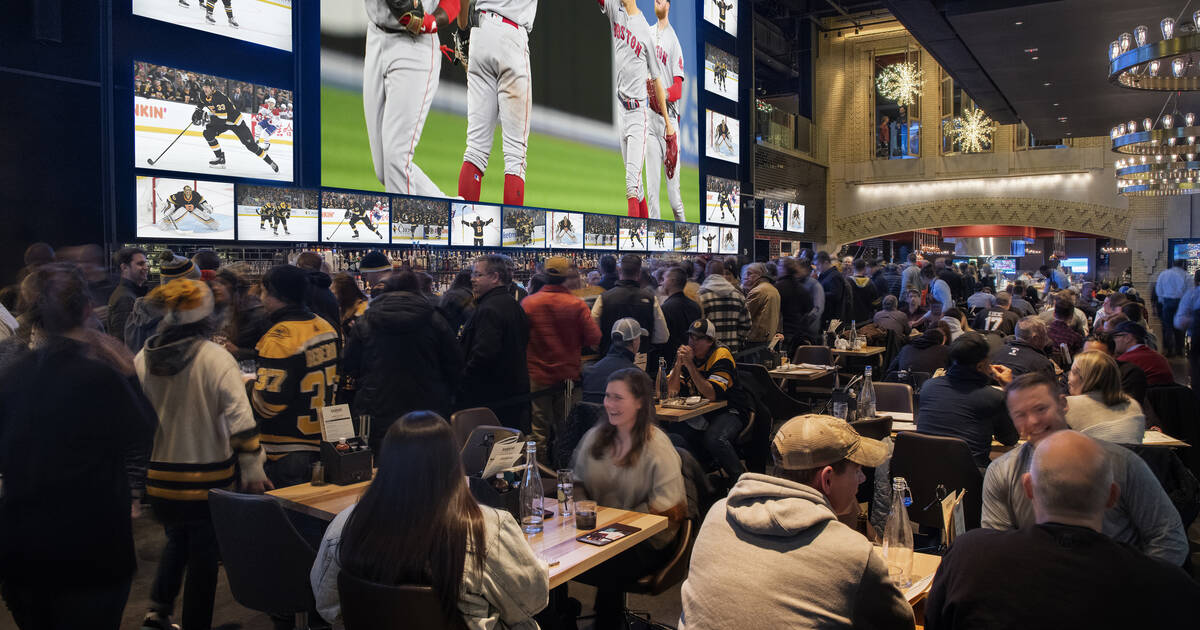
(417, 523)
(627, 462)
(1097, 406)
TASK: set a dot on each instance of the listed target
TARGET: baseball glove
(462, 44)
(672, 159)
(652, 97)
(410, 13)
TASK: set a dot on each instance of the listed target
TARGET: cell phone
(605, 535)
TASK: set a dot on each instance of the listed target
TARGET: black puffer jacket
(403, 357)
(496, 373)
(923, 354)
(320, 299)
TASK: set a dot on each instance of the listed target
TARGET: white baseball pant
(400, 76)
(498, 88)
(633, 146)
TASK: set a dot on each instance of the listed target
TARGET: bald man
(1142, 515)
(1060, 572)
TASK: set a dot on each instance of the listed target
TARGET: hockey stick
(164, 151)
(339, 226)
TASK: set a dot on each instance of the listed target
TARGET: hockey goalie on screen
(185, 202)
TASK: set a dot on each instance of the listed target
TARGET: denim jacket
(513, 586)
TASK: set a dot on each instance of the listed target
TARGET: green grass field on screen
(561, 174)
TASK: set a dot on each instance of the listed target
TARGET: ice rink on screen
(191, 154)
(729, 90)
(462, 235)
(423, 235)
(219, 196)
(712, 208)
(302, 225)
(569, 239)
(266, 22)
(729, 239)
(721, 148)
(707, 245)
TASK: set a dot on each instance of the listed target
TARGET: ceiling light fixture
(1169, 64)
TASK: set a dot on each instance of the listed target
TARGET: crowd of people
(159, 414)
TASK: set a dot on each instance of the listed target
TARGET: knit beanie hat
(286, 282)
(374, 261)
(175, 267)
(185, 300)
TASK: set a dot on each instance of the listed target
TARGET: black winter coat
(794, 304)
(403, 357)
(493, 343)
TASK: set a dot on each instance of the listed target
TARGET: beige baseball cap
(813, 440)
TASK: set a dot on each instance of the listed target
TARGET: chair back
(893, 397)
(817, 355)
(927, 461)
(266, 560)
(755, 377)
(465, 421)
(476, 448)
(1176, 409)
(675, 569)
(373, 606)
(874, 428)
(913, 379)
(583, 416)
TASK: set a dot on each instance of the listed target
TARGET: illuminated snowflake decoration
(900, 82)
(973, 132)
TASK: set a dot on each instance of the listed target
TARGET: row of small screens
(191, 209)
(270, 23)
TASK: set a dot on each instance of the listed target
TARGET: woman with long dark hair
(627, 462)
(418, 524)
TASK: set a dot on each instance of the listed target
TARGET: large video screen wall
(399, 116)
(266, 22)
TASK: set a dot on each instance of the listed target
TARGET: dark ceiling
(981, 45)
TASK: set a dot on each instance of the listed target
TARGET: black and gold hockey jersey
(221, 107)
(297, 373)
(186, 199)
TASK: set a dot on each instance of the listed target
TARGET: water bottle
(898, 536)
(532, 500)
(866, 397)
(660, 381)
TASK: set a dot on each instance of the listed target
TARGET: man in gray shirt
(1143, 516)
(812, 322)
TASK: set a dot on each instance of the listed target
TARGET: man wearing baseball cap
(560, 326)
(1130, 341)
(777, 540)
(626, 340)
(705, 368)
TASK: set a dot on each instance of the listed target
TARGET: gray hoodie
(773, 555)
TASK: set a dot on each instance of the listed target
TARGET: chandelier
(1170, 64)
(1157, 160)
(900, 82)
(972, 132)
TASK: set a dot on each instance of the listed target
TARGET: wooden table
(924, 566)
(903, 422)
(802, 374)
(556, 545)
(667, 414)
(867, 351)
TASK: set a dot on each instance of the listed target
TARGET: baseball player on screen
(670, 56)
(499, 89)
(401, 72)
(638, 67)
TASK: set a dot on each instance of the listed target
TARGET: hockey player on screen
(192, 202)
(283, 212)
(356, 214)
(722, 7)
(564, 229)
(208, 11)
(709, 239)
(218, 114)
(266, 122)
(724, 201)
(729, 240)
(477, 225)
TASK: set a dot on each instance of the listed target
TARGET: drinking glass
(566, 490)
(840, 409)
(585, 515)
(318, 474)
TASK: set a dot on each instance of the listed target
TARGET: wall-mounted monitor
(722, 202)
(600, 231)
(355, 218)
(474, 225)
(795, 217)
(720, 72)
(184, 209)
(566, 230)
(774, 214)
(266, 22)
(277, 213)
(633, 235)
(201, 123)
(1074, 265)
(729, 240)
(662, 237)
(1007, 266)
(710, 239)
(418, 221)
(721, 137)
(723, 14)
(687, 236)
(523, 227)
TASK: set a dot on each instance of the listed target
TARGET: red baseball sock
(470, 180)
(634, 209)
(514, 190)
(642, 207)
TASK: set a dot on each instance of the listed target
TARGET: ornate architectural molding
(1089, 218)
